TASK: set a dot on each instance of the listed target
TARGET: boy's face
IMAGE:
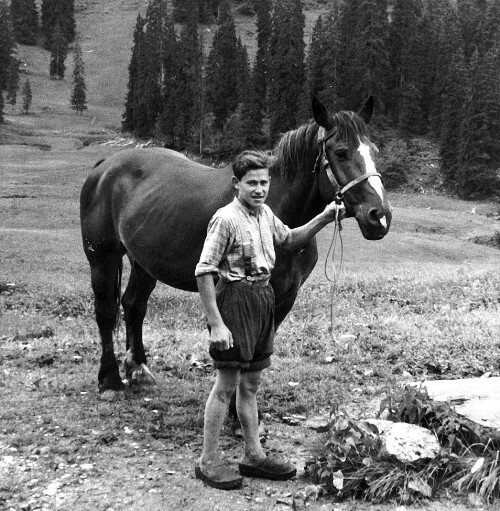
(253, 188)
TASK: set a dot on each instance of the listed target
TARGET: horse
(154, 205)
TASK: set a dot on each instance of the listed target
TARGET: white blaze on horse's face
(375, 181)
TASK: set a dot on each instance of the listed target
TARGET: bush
(393, 163)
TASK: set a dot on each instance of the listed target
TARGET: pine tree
(171, 87)
(58, 12)
(403, 55)
(25, 21)
(349, 40)
(58, 54)
(79, 92)
(27, 96)
(191, 77)
(371, 61)
(207, 10)
(255, 110)
(331, 48)
(131, 116)
(286, 67)
(454, 97)
(222, 69)
(447, 42)
(9, 64)
(479, 130)
(317, 60)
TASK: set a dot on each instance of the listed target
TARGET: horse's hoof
(111, 395)
(142, 374)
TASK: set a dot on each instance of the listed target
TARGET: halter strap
(323, 136)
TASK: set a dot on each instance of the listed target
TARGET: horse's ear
(321, 114)
(366, 111)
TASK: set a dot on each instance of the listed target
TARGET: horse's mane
(298, 149)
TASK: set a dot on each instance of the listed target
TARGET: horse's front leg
(135, 302)
(291, 271)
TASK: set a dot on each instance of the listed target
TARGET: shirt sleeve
(282, 234)
(215, 247)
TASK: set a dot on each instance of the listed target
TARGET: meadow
(422, 303)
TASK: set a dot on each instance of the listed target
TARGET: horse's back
(156, 204)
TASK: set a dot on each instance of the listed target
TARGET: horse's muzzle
(375, 223)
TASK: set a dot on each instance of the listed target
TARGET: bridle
(322, 159)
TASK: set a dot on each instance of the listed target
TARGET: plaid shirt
(234, 232)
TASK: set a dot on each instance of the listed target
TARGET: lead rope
(337, 235)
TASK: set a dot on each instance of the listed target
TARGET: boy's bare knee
(249, 383)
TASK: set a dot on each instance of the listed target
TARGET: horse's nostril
(374, 216)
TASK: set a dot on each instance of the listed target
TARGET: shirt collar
(245, 209)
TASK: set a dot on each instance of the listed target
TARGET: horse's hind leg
(135, 302)
(106, 279)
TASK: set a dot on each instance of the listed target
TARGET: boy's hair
(249, 160)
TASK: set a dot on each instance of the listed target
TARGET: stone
(406, 442)
(477, 399)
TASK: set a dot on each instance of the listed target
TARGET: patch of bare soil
(135, 473)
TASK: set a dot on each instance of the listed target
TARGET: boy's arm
(301, 235)
(220, 336)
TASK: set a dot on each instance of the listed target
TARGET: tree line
(55, 30)
(432, 65)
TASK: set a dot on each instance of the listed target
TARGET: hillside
(105, 30)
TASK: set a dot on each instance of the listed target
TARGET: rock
(477, 399)
(406, 442)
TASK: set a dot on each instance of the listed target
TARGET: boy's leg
(255, 463)
(246, 404)
(216, 412)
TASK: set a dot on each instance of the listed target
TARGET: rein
(322, 159)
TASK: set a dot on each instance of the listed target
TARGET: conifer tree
(27, 96)
(331, 48)
(222, 69)
(317, 60)
(79, 92)
(207, 10)
(371, 59)
(58, 54)
(403, 54)
(191, 78)
(479, 157)
(171, 87)
(134, 118)
(25, 21)
(447, 43)
(58, 12)
(454, 97)
(9, 64)
(286, 66)
(349, 40)
(256, 109)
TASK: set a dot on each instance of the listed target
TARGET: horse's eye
(341, 154)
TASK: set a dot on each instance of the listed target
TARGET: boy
(239, 248)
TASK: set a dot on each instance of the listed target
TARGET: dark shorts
(248, 312)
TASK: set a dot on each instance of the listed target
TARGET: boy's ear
(234, 180)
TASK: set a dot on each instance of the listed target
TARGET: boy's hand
(221, 338)
(334, 211)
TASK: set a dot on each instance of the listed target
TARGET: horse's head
(347, 168)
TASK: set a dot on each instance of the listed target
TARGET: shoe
(220, 477)
(271, 467)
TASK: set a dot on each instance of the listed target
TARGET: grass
(423, 301)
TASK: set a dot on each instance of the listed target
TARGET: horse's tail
(118, 292)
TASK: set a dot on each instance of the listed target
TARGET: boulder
(406, 442)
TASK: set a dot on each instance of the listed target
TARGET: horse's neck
(295, 202)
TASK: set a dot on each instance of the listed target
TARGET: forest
(433, 67)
